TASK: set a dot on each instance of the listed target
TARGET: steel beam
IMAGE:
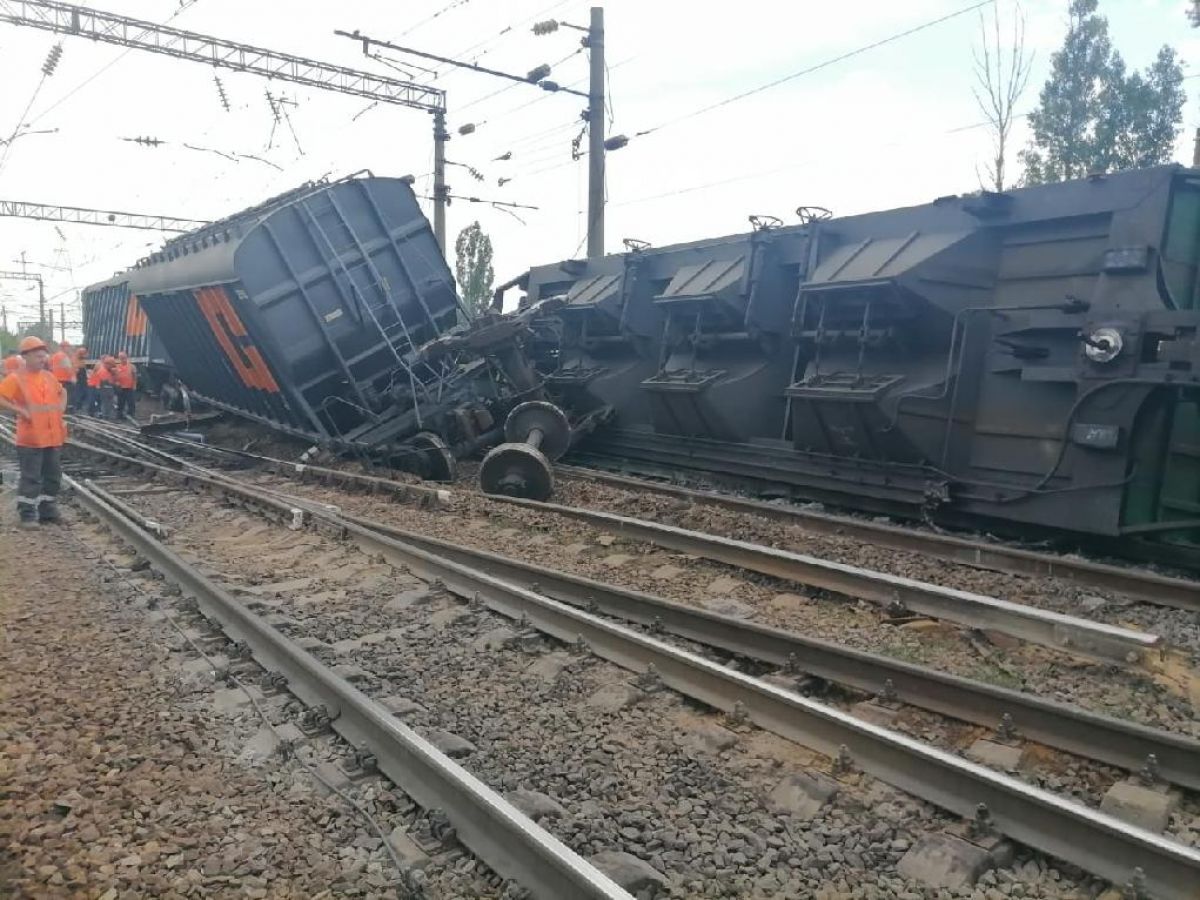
(67, 18)
(80, 216)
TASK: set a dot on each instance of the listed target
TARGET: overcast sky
(889, 127)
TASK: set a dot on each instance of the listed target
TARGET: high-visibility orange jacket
(62, 367)
(99, 375)
(125, 375)
(13, 363)
(44, 399)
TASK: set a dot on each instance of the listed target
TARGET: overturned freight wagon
(1030, 357)
(114, 321)
(308, 313)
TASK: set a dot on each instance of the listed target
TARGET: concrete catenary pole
(440, 192)
(596, 111)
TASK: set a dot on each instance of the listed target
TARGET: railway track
(1058, 725)
(1034, 817)
(898, 595)
(1138, 584)
(495, 830)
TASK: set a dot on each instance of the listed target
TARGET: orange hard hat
(30, 344)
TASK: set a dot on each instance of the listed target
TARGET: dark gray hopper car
(1030, 357)
(305, 314)
(114, 321)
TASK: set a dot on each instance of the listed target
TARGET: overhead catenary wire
(503, 32)
(20, 123)
(184, 6)
(48, 67)
(824, 64)
(471, 103)
(453, 4)
(795, 164)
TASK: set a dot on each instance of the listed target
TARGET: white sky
(887, 128)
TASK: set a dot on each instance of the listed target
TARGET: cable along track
(1098, 843)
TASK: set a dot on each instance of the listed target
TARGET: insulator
(221, 92)
(547, 27)
(52, 59)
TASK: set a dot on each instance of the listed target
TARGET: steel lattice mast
(81, 216)
(138, 34)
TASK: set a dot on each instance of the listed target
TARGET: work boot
(48, 514)
(27, 523)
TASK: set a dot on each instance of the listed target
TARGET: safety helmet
(31, 343)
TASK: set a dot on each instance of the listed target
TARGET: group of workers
(38, 387)
(108, 389)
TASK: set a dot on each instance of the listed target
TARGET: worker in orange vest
(102, 383)
(39, 401)
(12, 363)
(62, 367)
(125, 377)
(79, 402)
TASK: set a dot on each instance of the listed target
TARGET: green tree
(473, 266)
(8, 342)
(1092, 116)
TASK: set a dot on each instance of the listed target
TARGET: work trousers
(108, 397)
(41, 477)
(125, 402)
(79, 397)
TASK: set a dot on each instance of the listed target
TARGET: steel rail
(1107, 642)
(1148, 587)
(1060, 725)
(507, 840)
(1065, 727)
(1094, 841)
(303, 472)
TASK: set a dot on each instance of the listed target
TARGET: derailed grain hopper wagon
(308, 313)
(1029, 358)
(114, 321)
